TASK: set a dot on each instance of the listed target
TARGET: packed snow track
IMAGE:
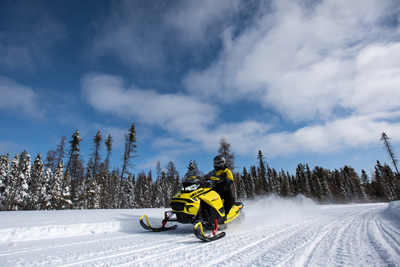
(275, 233)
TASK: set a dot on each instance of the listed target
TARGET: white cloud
(152, 34)
(307, 63)
(29, 36)
(330, 66)
(178, 114)
(19, 99)
(199, 21)
(334, 136)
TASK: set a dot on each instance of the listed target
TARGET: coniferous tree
(73, 174)
(92, 195)
(173, 180)
(21, 193)
(4, 174)
(254, 189)
(130, 149)
(262, 167)
(241, 187)
(36, 183)
(76, 139)
(285, 185)
(96, 154)
(60, 151)
(225, 151)
(303, 181)
(56, 199)
(44, 190)
(390, 151)
(108, 144)
(51, 159)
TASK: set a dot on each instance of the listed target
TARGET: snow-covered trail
(275, 233)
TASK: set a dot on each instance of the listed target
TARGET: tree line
(63, 181)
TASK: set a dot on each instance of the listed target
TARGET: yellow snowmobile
(197, 203)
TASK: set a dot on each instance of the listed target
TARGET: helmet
(219, 162)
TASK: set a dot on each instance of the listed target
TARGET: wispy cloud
(19, 100)
(29, 33)
(176, 113)
(152, 34)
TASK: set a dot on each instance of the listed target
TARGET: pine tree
(225, 151)
(341, 188)
(92, 195)
(108, 144)
(262, 166)
(73, 175)
(172, 178)
(303, 181)
(51, 159)
(96, 154)
(54, 200)
(36, 183)
(76, 139)
(45, 189)
(241, 187)
(23, 175)
(130, 149)
(4, 174)
(390, 151)
(60, 151)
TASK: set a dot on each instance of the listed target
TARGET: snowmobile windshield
(192, 180)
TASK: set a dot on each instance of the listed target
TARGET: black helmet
(219, 162)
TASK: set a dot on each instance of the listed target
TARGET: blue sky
(303, 81)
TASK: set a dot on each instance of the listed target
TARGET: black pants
(227, 196)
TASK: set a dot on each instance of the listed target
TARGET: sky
(303, 81)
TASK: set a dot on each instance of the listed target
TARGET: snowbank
(394, 209)
(35, 225)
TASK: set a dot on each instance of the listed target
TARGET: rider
(224, 179)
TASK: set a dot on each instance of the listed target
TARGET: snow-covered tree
(96, 154)
(4, 174)
(36, 182)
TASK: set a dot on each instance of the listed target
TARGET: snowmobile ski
(199, 233)
(148, 226)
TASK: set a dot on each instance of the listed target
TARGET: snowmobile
(197, 203)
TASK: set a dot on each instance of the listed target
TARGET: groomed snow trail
(274, 233)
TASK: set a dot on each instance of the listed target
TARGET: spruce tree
(130, 149)
(4, 174)
(60, 151)
(96, 154)
(390, 151)
(262, 166)
(73, 175)
(76, 139)
(108, 144)
(36, 182)
(225, 151)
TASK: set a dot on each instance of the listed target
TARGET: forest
(63, 181)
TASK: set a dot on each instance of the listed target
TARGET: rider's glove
(214, 178)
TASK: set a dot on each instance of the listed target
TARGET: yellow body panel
(189, 203)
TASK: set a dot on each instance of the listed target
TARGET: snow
(275, 232)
